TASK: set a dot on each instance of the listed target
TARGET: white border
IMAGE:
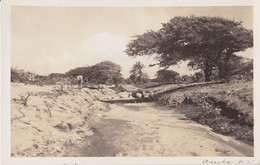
(5, 81)
(127, 3)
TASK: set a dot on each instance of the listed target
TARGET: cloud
(106, 46)
(101, 47)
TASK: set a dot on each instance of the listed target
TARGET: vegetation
(102, 73)
(166, 76)
(79, 71)
(137, 76)
(19, 75)
(24, 99)
(197, 77)
(226, 108)
(240, 70)
(105, 72)
(207, 42)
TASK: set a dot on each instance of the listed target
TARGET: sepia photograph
(131, 81)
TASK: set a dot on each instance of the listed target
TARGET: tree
(19, 75)
(16, 74)
(105, 72)
(145, 78)
(166, 76)
(101, 73)
(186, 79)
(137, 75)
(206, 42)
(57, 76)
(197, 77)
(79, 71)
(241, 68)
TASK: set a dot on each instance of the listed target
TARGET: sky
(48, 40)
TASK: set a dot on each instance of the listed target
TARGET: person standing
(80, 81)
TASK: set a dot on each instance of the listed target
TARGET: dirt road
(145, 129)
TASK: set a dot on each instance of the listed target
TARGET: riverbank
(45, 120)
(226, 108)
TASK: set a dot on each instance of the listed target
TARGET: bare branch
(48, 108)
(151, 65)
(25, 99)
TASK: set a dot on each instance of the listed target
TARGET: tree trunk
(116, 83)
(221, 72)
(207, 73)
(223, 67)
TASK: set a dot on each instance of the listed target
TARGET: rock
(80, 132)
(99, 115)
(70, 125)
(63, 127)
(89, 133)
(58, 149)
(35, 145)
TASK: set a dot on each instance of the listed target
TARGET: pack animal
(138, 95)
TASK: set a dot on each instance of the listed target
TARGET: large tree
(206, 42)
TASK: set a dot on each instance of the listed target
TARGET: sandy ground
(52, 120)
(75, 123)
(148, 130)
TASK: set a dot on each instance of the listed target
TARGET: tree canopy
(206, 42)
(106, 72)
(79, 71)
(101, 73)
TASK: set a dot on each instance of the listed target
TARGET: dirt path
(148, 130)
